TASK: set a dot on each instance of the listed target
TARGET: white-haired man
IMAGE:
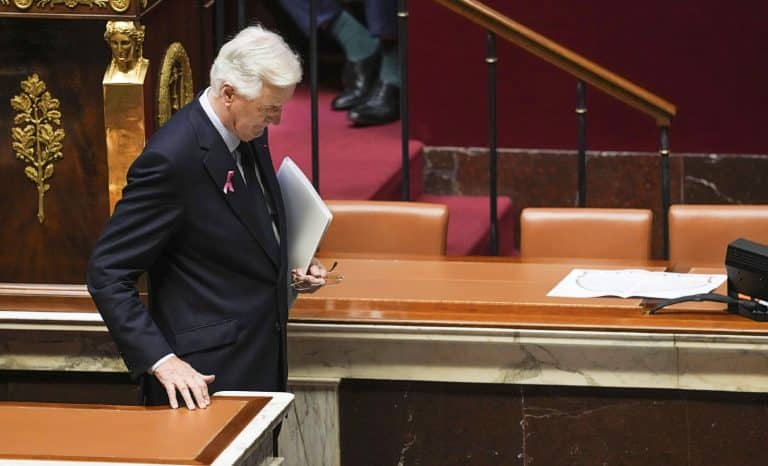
(203, 215)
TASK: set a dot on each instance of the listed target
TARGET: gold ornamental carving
(20, 4)
(175, 88)
(119, 6)
(68, 3)
(37, 137)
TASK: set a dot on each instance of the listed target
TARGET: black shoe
(358, 77)
(381, 106)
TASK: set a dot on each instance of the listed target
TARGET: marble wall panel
(548, 178)
(726, 179)
(726, 429)
(603, 427)
(406, 423)
(310, 432)
(416, 423)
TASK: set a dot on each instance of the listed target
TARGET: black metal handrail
(497, 24)
(587, 72)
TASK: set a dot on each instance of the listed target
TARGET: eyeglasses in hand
(331, 278)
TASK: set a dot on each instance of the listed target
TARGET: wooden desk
(421, 320)
(499, 294)
(233, 430)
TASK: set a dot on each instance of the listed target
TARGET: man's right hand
(176, 374)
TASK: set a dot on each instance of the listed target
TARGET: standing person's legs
(383, 102)
(361, 49)
(298, 10)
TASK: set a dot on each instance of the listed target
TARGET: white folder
(307, 216)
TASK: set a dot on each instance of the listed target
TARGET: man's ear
(228, 92)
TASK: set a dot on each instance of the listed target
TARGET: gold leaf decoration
(174, 89)
(71, 3)
(37, 137)
(119, 6)
(22, 4)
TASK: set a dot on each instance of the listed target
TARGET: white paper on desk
(591, 283)
(307, 216)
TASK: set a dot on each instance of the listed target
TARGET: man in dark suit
(203, 215)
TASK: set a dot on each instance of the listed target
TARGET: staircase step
(355, 163)
(365, 163)
(469, 229)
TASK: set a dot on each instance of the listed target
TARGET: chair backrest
(699, 234)
(384, 227)
(580, 232)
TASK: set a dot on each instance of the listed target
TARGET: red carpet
(355, 163)
(365, 163)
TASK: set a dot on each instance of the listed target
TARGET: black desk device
(746, 264)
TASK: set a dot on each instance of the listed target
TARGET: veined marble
(320, 355)
(429, 353)
(310, 433)
(541, 357)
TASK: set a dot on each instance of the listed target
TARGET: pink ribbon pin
(228, 188)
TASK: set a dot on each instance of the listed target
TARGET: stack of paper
(590, 283)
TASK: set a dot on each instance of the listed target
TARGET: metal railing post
(491, 60)
(313, 93)
(581, 116)
(219, 13)
(402, 45)
(240, 14)
(665, 190)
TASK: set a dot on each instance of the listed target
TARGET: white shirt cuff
(159, 361)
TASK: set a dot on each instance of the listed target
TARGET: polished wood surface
(565, 59)
(466, 291)
(123, 433)
(498, 294)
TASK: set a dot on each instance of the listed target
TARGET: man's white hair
(254, 56)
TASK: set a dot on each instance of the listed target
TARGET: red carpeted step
(355, 163)
(365, 163)
(469, 226)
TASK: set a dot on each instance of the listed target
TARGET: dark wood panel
(176, 21)
(70, 57)
(68, 387)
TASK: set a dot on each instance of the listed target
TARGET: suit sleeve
(143, 222)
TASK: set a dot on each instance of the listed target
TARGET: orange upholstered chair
(384, 227)
(699, 234)
(572, 232)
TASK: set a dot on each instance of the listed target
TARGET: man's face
(122, 50)
(248, 118)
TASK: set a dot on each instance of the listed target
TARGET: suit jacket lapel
(218, 162)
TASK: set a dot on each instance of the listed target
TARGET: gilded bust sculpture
(126, 40)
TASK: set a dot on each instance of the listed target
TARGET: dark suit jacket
(217, 279)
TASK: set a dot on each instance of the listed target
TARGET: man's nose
(276, 117)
